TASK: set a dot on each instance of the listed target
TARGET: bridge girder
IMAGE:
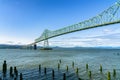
(107, 17)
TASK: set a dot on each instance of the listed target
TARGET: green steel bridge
(107, 17)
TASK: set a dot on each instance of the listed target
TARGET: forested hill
(7, 46)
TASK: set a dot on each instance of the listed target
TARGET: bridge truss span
(107, 17)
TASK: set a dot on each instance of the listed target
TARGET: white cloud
(105, 40)
(107, 31)
(12, 40)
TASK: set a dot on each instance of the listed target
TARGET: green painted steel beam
(107, 17)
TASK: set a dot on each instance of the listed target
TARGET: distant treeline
(5, 46)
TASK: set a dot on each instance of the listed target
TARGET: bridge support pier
(46, 45)
(35, 46)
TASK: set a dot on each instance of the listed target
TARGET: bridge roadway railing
(107, 17)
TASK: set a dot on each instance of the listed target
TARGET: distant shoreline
(7, 46)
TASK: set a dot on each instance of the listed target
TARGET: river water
(27, 62)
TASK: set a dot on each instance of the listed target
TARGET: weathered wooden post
(67, 68)
(100, 68)
(77, 70)
(64, 76)
(73, 64)
(90, 74)
(11, 71)
(45, 70)
(114, 73)
(15, 71)
(58, 66)
(4, 68)
(39, 67)
(60, 61)
(86, 66)
(108, 76)
(21, 78)
(53, 74)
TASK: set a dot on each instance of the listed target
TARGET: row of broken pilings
(89, 72)
(13, 73)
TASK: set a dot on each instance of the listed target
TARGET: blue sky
(22, 21)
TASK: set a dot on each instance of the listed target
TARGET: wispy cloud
(104, 40)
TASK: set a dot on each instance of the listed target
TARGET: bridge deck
(107, 17)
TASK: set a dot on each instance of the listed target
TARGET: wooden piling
(108, 76)
(39, 67)
(4, 68)
(64, 76)
(53, 74)
(60, 61)
(73, 64)
(100, 68)
(21, 78)
(15, 71)
(77, 70)
(90, 74)
(67, 68)
(114, 73)
(86, 66)
(58, 66)
(11, 71)
(45, 70)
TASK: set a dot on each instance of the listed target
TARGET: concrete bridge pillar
(35, 46)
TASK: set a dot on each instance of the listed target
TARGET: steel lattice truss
(107, 17)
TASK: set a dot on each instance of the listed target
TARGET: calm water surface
(28, 59)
